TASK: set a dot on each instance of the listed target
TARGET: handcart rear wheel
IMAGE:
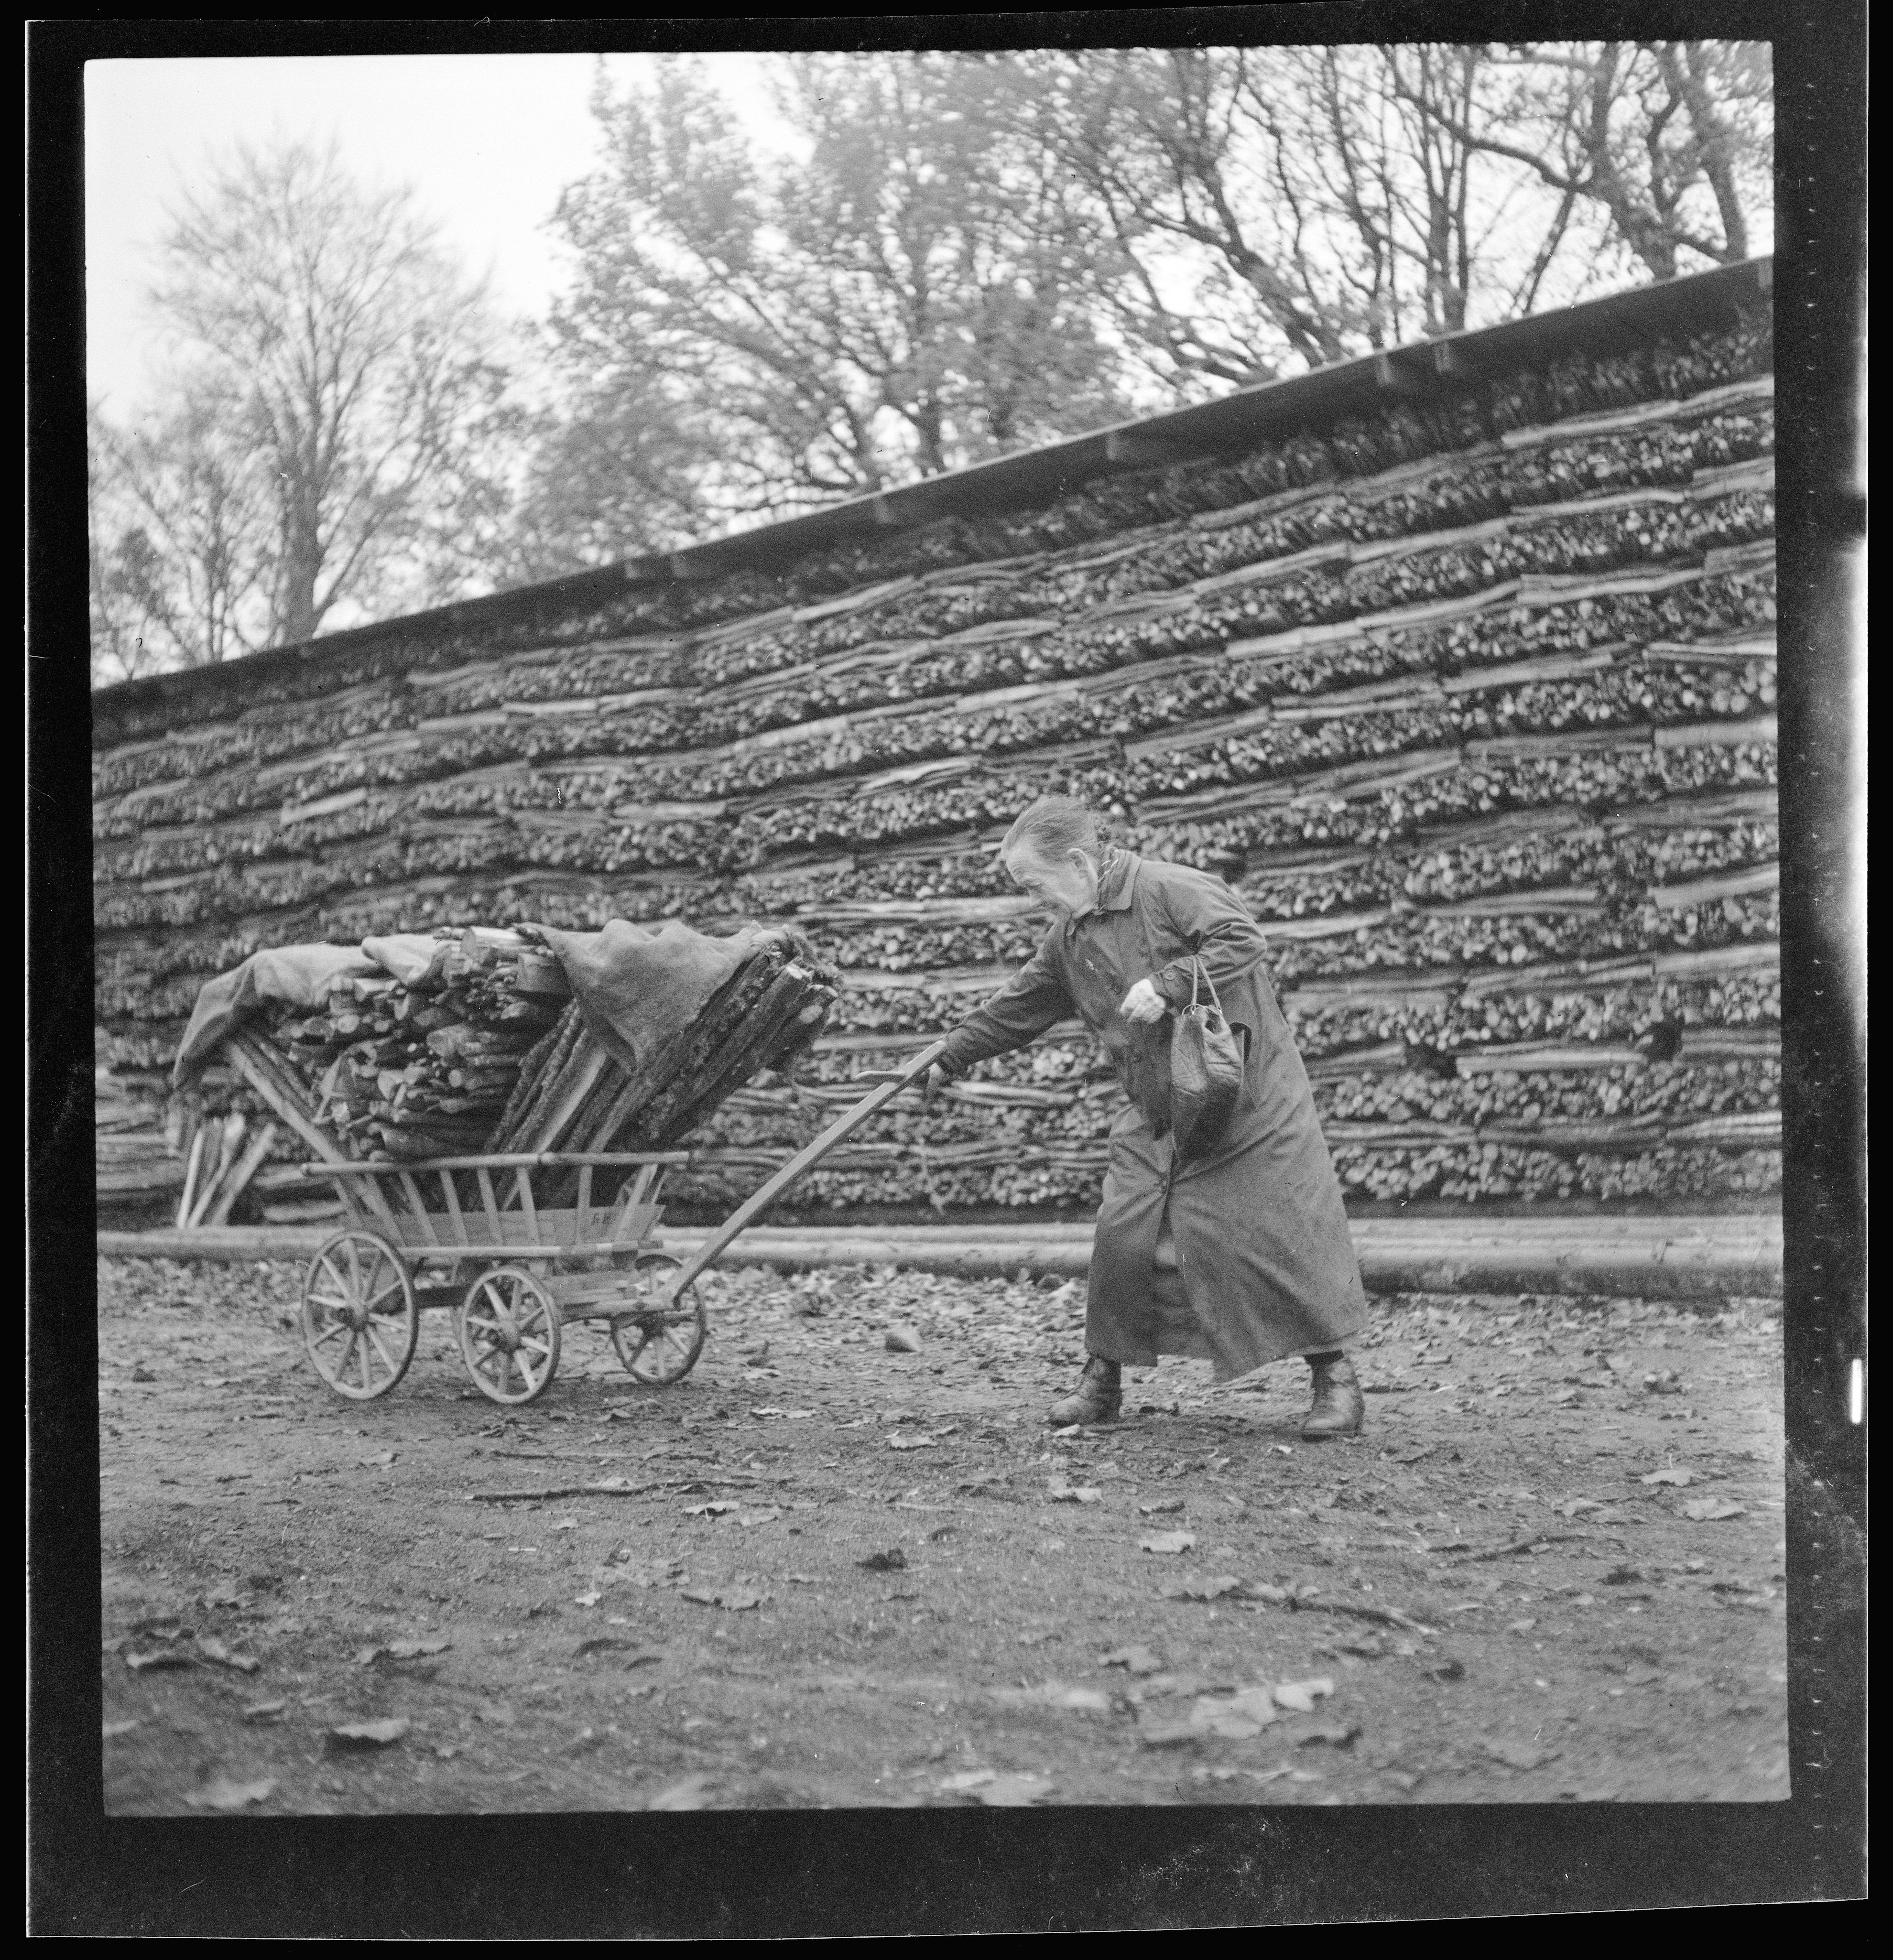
(508, 1330)
(659, 1345)
(360, 1320)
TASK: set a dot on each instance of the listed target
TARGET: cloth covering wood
(1265, 1260)
(637, 990)
(302, 976)
(410, 957)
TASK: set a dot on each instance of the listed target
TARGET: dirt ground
(831, 1574)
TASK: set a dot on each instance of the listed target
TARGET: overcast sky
(487, 141)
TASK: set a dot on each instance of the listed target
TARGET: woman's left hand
(1143, 1003)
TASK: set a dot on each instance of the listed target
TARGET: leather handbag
(1206, 1071)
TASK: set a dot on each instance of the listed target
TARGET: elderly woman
(1241, 1255)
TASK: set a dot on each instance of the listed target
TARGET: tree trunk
(1717, 144)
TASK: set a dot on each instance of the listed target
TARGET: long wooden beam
(1672, 1258)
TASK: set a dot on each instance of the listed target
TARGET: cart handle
(843, 1127)
(543, 1159)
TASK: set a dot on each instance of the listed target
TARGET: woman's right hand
(937, 1079)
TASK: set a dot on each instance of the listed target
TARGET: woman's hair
(1054, 825)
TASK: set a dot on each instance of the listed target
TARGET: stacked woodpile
(1471, 698)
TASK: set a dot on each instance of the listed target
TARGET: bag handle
(1199, 971)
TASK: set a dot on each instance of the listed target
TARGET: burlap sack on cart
(639, 990)
(303, 976)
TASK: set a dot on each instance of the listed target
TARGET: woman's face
(1069, 888)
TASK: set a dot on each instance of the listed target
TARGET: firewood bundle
(399, 1070)
(1277, 746)
(1630, 1093)
(1678, 1172)
(1345, 1023)
(486, 1053)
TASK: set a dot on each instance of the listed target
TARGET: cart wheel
(659, 1345)
(360, 1320)
(508, 1329)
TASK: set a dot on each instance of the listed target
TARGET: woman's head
(1052, 853)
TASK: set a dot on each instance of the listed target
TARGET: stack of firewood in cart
(487, 1054)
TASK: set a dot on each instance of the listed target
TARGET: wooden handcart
(517, 1248)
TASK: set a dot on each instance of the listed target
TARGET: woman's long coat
(1263, 1248)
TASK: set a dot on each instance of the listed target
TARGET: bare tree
(1303, 203)
(1673, 141)
(913, 295)
(181, 520)
(325, 329)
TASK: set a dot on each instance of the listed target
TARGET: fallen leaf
(586, 1599)
(1013, 1792)
(964, 1779)
(222, 1794)
(1169, 1735)
(215, 1650)
(693, 1793)
(1092, 1700)
(895, 1561)
(1168, 1542)
(494, 1714)
(730, 1602)
(1521, 1626)
(434, 1643)
(264, 1711)
(163, 1657)
(767, 1515)
(164, 1628)
(1447, 1670)
(1667, 1383)
(1202, 1588)
(1622, 1575)
(1061, 1493)
(1679, 1478)
(124, 1728)
(1162, 1508)
(223, 1596)
(368, 1734)
(902, 1340)
(1235, 1719)
(617, 1644)
(1571, 1508)
(899, 1441)
(1520, 1755)
(1339, 1735)
(1301, 1695)
(379, 1461)
(714, 1508)
(1708, 1510)
(1135, 1660)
